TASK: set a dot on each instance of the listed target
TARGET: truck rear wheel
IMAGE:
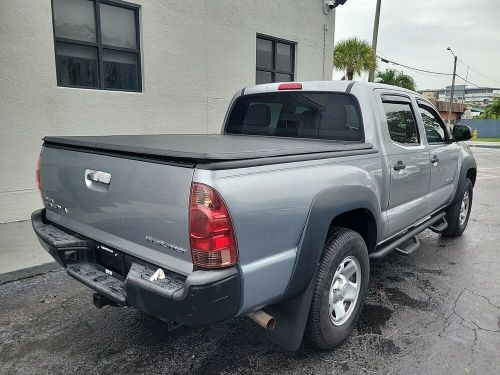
(457, 215)
(340, 289)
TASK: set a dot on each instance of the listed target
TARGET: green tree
(354, 56)
(492, 111)
(395, 78)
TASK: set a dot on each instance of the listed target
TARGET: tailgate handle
(97, 180)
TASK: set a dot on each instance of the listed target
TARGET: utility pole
(371, 76)
(452, 87)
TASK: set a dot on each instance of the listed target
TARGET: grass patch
(489, 139)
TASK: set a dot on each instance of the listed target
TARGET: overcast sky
(417, 32)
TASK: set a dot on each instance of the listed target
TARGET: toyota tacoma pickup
(276, 218)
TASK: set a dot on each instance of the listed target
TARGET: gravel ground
(436, 311)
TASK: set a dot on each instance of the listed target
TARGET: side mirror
(461, 133)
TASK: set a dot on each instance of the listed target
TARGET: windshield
(327, 115)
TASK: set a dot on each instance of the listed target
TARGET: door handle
(98, 176)
(399, 166)
(97, 180)
(434, 159)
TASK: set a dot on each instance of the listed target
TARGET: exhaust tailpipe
(263, 319)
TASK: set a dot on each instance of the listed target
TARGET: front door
(443, 156)
(408, 159)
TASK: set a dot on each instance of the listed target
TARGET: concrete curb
(28, 272)
(484, 146)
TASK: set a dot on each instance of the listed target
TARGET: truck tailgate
(135, 206)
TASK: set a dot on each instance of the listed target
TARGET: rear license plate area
(110, 261)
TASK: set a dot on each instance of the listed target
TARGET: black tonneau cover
(205, 148)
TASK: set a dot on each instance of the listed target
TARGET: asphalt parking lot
(436, 311)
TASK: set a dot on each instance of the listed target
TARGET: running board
(440, 226)
(385, 249)
(409, 247)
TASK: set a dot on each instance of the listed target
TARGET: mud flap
(291, 319)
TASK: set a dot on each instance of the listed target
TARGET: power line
(468, 81)
(478, 72)
(389, 61)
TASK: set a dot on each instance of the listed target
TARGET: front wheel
(340, 289)
(457, 215)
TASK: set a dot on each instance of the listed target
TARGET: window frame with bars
(101, 47)
(273, 70)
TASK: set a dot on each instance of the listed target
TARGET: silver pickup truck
(278, 217)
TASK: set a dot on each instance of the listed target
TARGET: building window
(275, 60)
(97, 44)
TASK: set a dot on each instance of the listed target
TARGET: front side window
(334, 116)
(275, 60)
(97, 44)
(401, 123)
(435, 130)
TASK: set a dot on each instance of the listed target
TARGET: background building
(95, 67)
(476, 96)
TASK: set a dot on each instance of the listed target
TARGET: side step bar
(409, 247)
(391, 246)
(440, 226)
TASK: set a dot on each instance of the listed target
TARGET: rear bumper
(204, 297)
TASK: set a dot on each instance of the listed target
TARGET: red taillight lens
(37, 177)
(290, 86)
(211, 234)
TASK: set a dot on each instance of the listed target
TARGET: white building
(475, 96)
(94, 67)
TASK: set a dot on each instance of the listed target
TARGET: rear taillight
(211, 233)
(37, 177)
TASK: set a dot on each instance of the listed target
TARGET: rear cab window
(317, 115)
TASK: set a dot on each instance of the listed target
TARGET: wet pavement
(436, 311)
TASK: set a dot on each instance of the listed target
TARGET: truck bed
(205, 148)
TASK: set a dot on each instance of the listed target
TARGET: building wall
(195, 55)
(455, 116)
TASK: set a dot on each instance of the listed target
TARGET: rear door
(443, 156)
(408, 159)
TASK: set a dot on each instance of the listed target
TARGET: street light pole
(452, 87)
(371, 76)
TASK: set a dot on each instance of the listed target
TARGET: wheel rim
(344, 290)
(464, 208)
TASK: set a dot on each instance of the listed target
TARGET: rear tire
(340, 289)
(457, 215)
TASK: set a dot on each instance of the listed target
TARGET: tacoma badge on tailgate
(165, 244)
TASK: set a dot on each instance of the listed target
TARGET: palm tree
(395, 78)
(354, 56)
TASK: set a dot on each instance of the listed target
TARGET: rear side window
(401, 123)
(334, 116)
